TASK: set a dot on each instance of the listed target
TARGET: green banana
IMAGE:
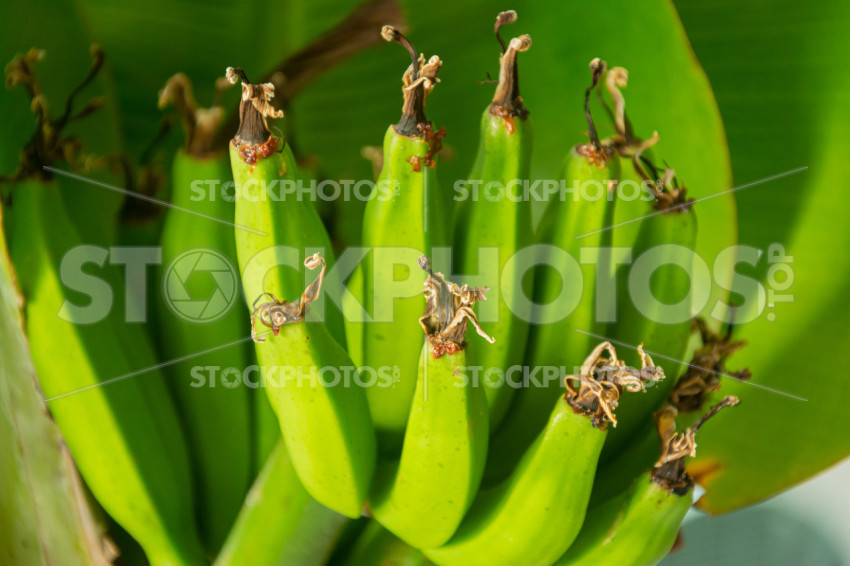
(615, 475)
(423, 497)
(270, 236)
(664, 250)
(636, 529)
(125, 437)
(216, 415)
(575, 228)
(260, 162)
(376, 546)
(701, 378)
(708, 365)
(504, 160)
(639, 527)
(326, 427)
(280, 524)
(116, 432)
(533, 516)
(403, 220)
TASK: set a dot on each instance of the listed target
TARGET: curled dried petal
(448, 309)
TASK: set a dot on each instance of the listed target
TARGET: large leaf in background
(779, 69)
(44, 518)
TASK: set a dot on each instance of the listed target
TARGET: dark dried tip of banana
(670, 195)
(669, 472)
(254, 109)
(200, 125)
(418, 82)
(595, 391)
(707, 366)
(448, 309)
(507, 101)
(597, 69)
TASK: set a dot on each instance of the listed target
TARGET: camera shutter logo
(195, 263)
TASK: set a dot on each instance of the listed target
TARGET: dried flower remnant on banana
(597, 152)
(200, 125)
(277, 312)
(595, 391)
(254, 139)
(669, 471)
(507, 102)
(706, 368)
(623, 142)
(418, 81)
(448, 309)
(670, 194)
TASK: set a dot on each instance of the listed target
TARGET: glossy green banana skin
(217, 419)
(558, 344)
(666, 343)
(424, 497)
(415, 219)
(327, 428)
(532, 517)
(504, 156)
(636, 529)
(293, 223)
(117, 433)
(280, 524)
(567, 223)
(352, 301)
(377, 546)
(615, 475)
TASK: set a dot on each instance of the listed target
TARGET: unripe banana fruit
(567, 311)
(217, 417)
(403, 219)
(423, 497)
(501, 224)
(124, 435)
(639, 527)
(534, 515)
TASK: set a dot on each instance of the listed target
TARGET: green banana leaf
(44, 516)
(785, 97)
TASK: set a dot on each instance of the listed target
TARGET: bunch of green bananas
(385, 435)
